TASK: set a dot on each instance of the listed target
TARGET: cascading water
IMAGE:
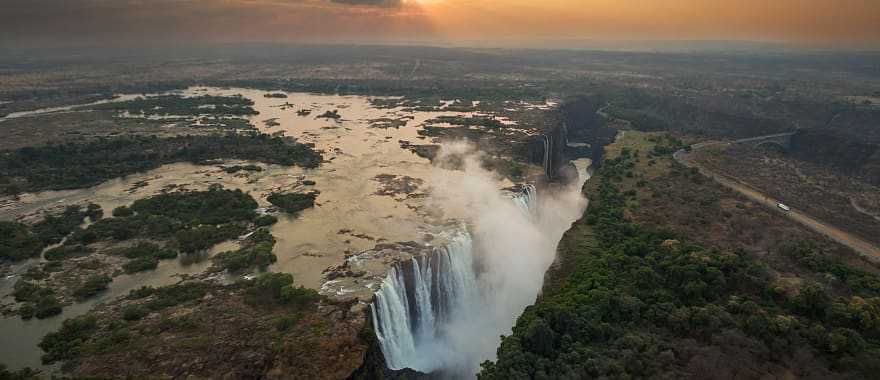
(420, 297)
(548, 157)
(443, 313)
(417, 297)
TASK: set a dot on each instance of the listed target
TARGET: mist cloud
(512, 249)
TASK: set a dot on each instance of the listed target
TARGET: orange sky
(827, 22)
(789, 20)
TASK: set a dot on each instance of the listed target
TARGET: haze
(510, 22)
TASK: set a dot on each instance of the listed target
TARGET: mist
(511, 242)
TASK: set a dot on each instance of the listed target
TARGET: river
(360, 205)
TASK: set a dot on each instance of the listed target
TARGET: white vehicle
(783, 207)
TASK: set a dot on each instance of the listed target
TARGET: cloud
(372, 3)
(100, 22)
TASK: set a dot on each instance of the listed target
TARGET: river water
(352, 215)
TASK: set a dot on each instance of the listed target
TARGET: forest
(176, 105)
(633, 301)
(78, 165)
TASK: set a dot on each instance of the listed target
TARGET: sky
(25, 23)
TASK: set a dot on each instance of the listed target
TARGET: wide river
(372, 191)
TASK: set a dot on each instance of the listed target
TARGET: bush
(204, 237)
(293, 202)
(17, 242)
(265, 220)
(168, 296)
(142, 292)
(141, 264)
(122, 212)
(26, 291)
(54, 228)
(65, 343)
(134, 312)
(276, 289)
(93, 285)
(215, 206)
(256, 252)
(47, 307)
(65, 252)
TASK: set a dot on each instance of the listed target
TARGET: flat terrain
(811, 198)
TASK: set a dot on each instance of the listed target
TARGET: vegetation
(17, 242)
(93, 285)
(237, 168)
(330, 115)
(256, 252)
(293, 202)
(162, 298)
(65, 252)
(144, 257)
(277, 289)
(203, 237)
(631, 301)
(77, 165)
(66, 343)
(140, 264)
(474, 121)
(215, 206)
(265, 220)
(176, 105)
(39, 301)
(195, 220)
(53, 228)
(21, 374)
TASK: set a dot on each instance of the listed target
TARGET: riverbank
(632, 295)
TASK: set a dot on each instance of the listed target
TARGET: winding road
(863, 247)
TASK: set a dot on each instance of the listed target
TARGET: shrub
(93, 285)
(47, 307)
(134, 312)
(122, 211)
(17, 242)
(142, 292)
(203, 237)
(276, 289)
(168, 296)
(265, 220)
(141, 264)
(293, 202)
(256, 252)
(65, 252)
(65, 343)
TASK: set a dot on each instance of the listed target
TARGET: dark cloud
(96, 22)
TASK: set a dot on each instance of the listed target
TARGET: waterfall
(528, 201)
(548, 157)
(419, 296)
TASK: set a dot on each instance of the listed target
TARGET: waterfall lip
(419, 295)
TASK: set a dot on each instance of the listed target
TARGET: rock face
(581, 133)
(583, 124)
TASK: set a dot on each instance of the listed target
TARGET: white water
(444, 312)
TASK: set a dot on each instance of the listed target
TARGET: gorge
(443, 313)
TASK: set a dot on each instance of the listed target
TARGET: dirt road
(865, 248)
